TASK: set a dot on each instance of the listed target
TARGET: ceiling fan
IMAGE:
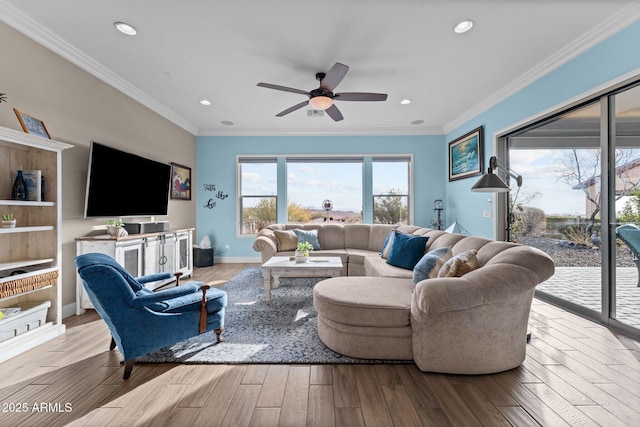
(323, 97)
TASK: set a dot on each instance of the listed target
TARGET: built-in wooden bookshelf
(30, 253)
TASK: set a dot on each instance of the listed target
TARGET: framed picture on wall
(32, 125)
(465, 155)
(180, 182)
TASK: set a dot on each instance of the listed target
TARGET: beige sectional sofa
(473, 324)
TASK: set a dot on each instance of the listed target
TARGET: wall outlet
(215, 248)
(486, 214)
(226, 248)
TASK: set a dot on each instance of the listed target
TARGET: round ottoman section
(365, 317)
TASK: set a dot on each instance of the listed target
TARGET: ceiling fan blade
(334, 113)
(334, 76)
(284, 88)
(292, 109)
(360, 96)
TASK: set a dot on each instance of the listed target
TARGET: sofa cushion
(378, 267)
(356, 236)
(429, 265)
(378, 235)
(406, 250)
(310, 236)
(460, 264)
(287, 240)
(331, 236)
(363, 301)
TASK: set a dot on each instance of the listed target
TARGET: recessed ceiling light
(125, 28)
(405, 101)
(463, 26)
(417, 122)
(205, 102)
(227, 123)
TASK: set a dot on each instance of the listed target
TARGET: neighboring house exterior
(627, 179)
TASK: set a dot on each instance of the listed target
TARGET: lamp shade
(490, 183)
(321, 102)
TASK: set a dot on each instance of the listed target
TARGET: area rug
(282, 330)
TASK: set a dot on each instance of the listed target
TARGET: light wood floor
(576, 373)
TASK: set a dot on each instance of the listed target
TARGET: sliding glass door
(625, 293)
(558, 207)
(580, 203)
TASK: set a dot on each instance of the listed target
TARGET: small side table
(202, 257)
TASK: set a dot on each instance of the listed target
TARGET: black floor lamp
(492, 183)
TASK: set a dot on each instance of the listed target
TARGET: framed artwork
(180, 182)
(465, 155)
(31, 124)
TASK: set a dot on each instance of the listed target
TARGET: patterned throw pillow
(406, 250)
(310, 236)
(430, 264)
(388, 243)
(460, 264)
(287, 240)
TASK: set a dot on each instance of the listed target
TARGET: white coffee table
(283, 266)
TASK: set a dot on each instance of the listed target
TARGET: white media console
(141, 255)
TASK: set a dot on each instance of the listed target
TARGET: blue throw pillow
(430, 264)
(406, 250)
(310, 236)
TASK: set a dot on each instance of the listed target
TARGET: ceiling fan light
(320, 102)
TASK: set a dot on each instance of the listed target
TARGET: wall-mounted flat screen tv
(121, 184)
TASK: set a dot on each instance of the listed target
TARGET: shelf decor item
(302, 252)
(8, 221)
(115, 228)
(31, 124)
(32, 184)
(466, 155)
(19, 190)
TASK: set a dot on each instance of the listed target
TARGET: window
(258, 194)
(391, 191)
(311, 182)
(341, 188)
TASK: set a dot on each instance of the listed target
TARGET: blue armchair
(142, 321)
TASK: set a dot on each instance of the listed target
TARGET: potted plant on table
(115, 228)
(302, 251)
(8, 221)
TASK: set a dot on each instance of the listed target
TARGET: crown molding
(42, 35)
(368, 131)
(604, 30)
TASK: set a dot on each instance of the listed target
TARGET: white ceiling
(219, 50)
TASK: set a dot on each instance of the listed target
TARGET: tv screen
(122, 184)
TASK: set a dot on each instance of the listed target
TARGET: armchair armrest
(154, 277)
(146, 299)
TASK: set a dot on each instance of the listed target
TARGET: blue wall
(216, 166)
(216, 156)
(610, 59)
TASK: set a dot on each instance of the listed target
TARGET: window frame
(367, 160)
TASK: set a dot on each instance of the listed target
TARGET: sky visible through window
(542, 184)
(542, 179)
(309, 184)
